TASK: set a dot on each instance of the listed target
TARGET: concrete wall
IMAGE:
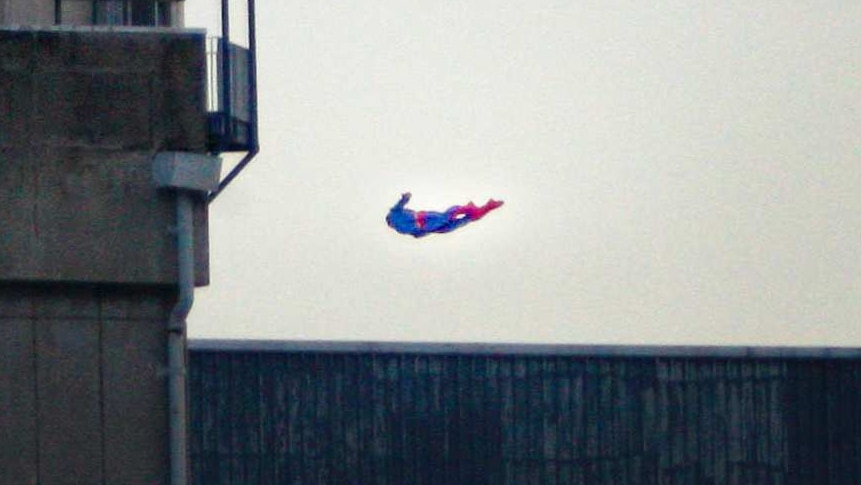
(27, 12)
(87, 248)
(82, 386)
(74, 12)
(84, 113)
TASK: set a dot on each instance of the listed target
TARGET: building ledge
(116, 29)
(560, 350)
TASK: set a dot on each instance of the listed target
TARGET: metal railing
(232, 82)
(230, 102)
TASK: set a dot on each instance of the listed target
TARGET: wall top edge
(562, 350)
(117, 29)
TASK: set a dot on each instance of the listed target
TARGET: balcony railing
(230, 100)
(232, 89)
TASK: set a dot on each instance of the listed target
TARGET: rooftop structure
(109, 163)
(149, 13)
(379, 412)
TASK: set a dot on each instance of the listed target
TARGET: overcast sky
(679, 173)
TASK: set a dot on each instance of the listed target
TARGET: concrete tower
(103, 155)
(158, 13)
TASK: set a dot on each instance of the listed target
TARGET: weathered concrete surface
(29, 12)
(67, 382)
(135, 410)
(73, 12)
(87, 248)
(18, 438)
(82, 384)
(82, 114)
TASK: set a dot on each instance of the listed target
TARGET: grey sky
(681, 173)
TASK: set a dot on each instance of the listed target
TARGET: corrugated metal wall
(424, 418)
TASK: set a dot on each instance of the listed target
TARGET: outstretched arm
(405, 198)
(403, 220)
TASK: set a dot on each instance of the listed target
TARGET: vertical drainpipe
(176, 333)
(189, 175)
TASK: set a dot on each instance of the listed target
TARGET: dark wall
(83, 398)
(342, 417)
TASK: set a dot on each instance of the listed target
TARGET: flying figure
(422, 223)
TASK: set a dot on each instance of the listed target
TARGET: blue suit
(422, 223)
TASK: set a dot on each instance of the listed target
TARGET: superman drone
(422, 223)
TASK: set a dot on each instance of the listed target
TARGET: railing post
(252, 75)
(226, 84)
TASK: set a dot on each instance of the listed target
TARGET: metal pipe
(225, 19)
(225, 108)
(252, 73)
(233, 173)
(176, 351)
